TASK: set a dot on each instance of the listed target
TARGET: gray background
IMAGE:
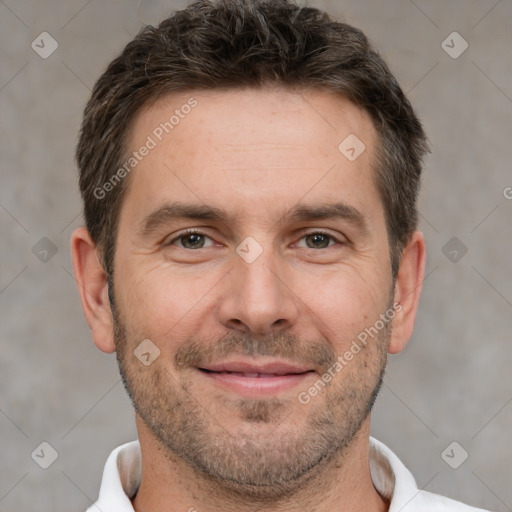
(452, 383)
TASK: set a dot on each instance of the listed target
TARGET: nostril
(236, 323)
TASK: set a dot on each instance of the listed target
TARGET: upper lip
(240, 366)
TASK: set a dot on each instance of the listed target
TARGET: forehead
(249, 116)
(252, 148)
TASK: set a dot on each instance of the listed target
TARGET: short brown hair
(226, 44)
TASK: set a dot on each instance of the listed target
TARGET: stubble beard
(257, 461)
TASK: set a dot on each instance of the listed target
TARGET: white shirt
(122, 475)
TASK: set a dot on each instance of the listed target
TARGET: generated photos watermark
(343, 360)
(152, 140)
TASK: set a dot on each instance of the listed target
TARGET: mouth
(256, 379)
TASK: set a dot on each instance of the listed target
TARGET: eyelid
(171, 239)
(339, 239)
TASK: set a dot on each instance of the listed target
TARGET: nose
(258, 297)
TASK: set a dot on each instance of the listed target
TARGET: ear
(408, 286)
(92, 286)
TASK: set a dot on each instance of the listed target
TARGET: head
(281, 141)
(237, 44)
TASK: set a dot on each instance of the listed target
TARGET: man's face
(252, 252)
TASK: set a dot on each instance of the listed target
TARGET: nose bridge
(258, 299)
(262, 278)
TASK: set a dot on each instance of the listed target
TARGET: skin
(256, 154)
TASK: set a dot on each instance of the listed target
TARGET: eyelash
(193, 231)
(185, 233)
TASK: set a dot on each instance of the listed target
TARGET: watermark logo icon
(352, 147)
(454, 455)
(454, 45)
(44, 455)
(146, 352)
(44, 250)
(249, 250)
(44, 45)
(454, 249)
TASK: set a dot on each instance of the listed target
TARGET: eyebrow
(299, 213)
(176, 210)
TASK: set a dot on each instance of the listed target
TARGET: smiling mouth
(252, 382)
(255, 375)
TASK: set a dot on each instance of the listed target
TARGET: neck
(169, 483)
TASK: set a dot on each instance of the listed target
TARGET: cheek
(159, 302)
(343, 303)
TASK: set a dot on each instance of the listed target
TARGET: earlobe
(93, 289)
(408, 286)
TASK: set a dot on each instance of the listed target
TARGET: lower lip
(257, 386)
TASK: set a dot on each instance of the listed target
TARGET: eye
(318, 240)
(192, 240)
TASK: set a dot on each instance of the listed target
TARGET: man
(249, 171)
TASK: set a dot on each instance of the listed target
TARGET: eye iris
(193, 241)
(317, 241)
